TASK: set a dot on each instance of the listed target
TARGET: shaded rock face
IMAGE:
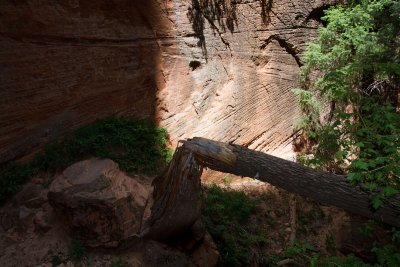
(98, 202)
(218, 69)
(67, 63)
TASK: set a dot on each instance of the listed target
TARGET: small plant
(226, 179)
(77, 250)
(368, 228)
(388, 255)
(298, 249)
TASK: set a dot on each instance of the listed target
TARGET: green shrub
(227, 217)
(352, 70)
(356, 59)
(134, 144)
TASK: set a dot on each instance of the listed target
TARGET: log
(321, 186)
(176, 195)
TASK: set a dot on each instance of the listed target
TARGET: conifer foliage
(350, 96)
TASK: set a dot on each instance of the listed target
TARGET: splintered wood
(209, 150)
(177, 200)
(176, 196)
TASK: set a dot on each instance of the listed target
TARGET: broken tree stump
(177, 192)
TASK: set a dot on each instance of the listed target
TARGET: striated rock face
(219, 69)
(67, 63)
(238, 61)
(98, 202)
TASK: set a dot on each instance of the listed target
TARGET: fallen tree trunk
(171, 188)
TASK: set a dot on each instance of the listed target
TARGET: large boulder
(99, 203)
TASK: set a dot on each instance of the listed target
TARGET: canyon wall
(213, 68)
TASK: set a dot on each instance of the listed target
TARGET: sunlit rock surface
(218, 69)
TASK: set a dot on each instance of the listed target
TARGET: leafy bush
(351, 79)
(227, 217)
(134, 144)
(353, 72)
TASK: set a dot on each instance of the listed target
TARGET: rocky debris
(92, 201)
(31, 196)
(92, 193)
(99, 203)
(158, 254)
(44, 219)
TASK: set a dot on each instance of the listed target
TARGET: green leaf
(340, 154)
(359, 164)
(370, 186)
(389, 191)
(376, 201)
(359, 144)
(354, 177)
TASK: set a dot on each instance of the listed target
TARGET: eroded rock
(223, 75)
(98, 202)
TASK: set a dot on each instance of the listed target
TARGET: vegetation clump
(350, 96)
(351, 84)
(136, 145)
(227, 217)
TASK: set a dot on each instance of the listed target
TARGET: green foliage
(134, 144)
(298, 249)
(368, 228)
(352, 74)
(358, 40)
(311, 108)
(388, 255)
(304, 254)
(77, 250)
(227, 217)
(353, 69)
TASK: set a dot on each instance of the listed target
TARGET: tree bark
(174, 190)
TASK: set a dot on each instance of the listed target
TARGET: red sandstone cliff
(213, 68)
